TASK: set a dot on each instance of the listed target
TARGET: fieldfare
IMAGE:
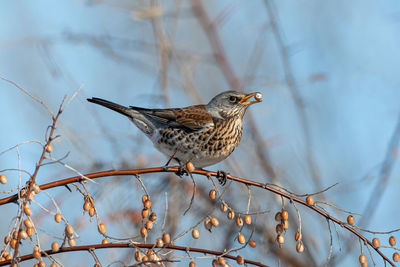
(201, 134)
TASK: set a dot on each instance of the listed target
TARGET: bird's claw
(221, 176)
(182, 170)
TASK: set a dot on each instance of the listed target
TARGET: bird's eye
(233, 99)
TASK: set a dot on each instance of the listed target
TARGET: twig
(193, 194)
(29, 94)
(127, 245)
(207, 173)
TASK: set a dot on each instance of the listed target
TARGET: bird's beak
(247, 103)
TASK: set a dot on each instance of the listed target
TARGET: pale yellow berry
(247, 219)
(214, 222)
(223, 207)
(159, 242)
(362, 258)
(221, 261)
(190, 167)
(71, 242)
(231, 215)
(145, 213)
(58, 217)
(195, 233)
(285, 215)
(376, 243)
(392, 241)
(147, 204)
(280, 239)
(55, 246)
(299, 247)
(29, 231)
(212, 194)
(239, 221)
(144, 198)
(310, 200)
(166, 238)
(87, 205)
(36, 188)
(49, 148)
(350, 219)
(13, 243)
(92, 211)
(396, 257)
(143, 232)
(239, 260)
(36, 253)
(149, 225)
(23, 235)
(69, 231)
(28, 223)
(241, 239)
(27, 210)
(3, 179)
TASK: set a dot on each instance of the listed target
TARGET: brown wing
(193, 117)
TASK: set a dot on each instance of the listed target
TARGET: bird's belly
(201, 148)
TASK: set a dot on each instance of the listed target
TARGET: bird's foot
(221, 176)
(182, 169)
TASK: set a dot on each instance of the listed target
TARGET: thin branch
(29, 94)
(127, 245)
(206, 174)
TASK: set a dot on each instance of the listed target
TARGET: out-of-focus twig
(215, 42)
(211, 31)
(29, 94)
(294, 91)
(384, 174)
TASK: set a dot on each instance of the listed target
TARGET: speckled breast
(204, 147)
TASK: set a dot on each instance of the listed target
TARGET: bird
(201, 134)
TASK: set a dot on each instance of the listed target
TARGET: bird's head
(231, 103)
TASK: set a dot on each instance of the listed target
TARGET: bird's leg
(169, 161)
(181, 169)
(221, 176)
(173, 155)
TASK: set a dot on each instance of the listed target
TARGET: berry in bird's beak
(257, 99)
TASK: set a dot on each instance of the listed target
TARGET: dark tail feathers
(111, 105)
